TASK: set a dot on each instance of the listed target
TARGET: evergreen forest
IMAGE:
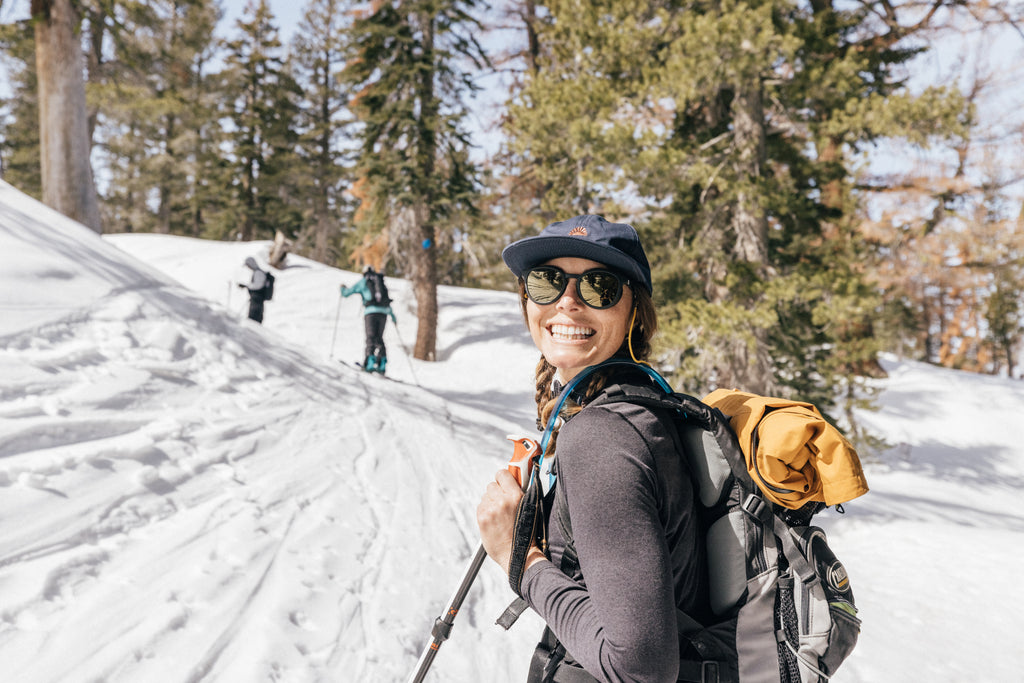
(815, 181)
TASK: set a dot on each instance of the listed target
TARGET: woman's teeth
(570, 332)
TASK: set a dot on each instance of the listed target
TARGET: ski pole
(443, 624)
(524, 458)
(334, 335)
(405, 349)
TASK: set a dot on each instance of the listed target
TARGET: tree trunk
(409, 229)
(751, 366)
(424, 254)
(532, 38)
(425, 287)
(64, 147)
(322, 235)
(323, 222)
(749, 222)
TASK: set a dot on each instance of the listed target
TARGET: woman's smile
(565, 333)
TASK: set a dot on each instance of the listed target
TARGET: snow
(188, 496)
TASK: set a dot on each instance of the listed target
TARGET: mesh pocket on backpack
(788, 626)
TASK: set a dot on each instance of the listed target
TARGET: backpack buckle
(709, 672)
(755, 506)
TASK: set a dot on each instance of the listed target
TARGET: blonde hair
(637, 345)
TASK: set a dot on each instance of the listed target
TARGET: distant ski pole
(334, 335)
(408, 355)
(524, 458)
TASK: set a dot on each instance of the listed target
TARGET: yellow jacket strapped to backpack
(792, 452)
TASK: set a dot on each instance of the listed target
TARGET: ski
(357, 364)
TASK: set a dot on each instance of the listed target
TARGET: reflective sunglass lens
(600, 289)
(545, 285)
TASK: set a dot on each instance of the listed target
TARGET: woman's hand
(496, 516)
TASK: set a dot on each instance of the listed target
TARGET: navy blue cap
(616, 245)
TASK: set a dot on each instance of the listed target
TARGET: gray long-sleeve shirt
(631, 503)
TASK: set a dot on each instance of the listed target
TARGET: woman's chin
(566, 356)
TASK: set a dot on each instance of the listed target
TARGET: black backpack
(378, 290)
(268, 287)
(784, 610)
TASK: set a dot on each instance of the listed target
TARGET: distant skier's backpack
(268, 286)
(783, 606)
(378, 290)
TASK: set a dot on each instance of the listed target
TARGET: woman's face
(572, 335)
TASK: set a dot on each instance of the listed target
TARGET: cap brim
(532, 251)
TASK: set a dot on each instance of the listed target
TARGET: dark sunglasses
(597, 288)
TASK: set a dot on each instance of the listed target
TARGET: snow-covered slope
(188, 496)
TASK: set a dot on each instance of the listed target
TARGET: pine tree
(404, 65)
(319, 55)
(156, 115)
(263, 135)
(1004, 315)
(19, 115)
(511, 202)
(734, 125)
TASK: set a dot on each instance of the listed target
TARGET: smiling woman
(607, 312)
(571, 332)
(585, 287)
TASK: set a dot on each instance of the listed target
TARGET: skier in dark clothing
(610, 585)
(376, 310)
(260, 289)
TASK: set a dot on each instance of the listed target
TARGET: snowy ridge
(186, 496)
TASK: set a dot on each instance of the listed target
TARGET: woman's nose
(568, 298)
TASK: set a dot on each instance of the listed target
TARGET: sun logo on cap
(578, 230)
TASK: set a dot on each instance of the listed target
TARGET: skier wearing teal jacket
(376, 310)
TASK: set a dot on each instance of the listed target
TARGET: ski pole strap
(512, 613)
(524, 532)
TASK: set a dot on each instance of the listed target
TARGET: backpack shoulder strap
(690, 412)
(570, 562)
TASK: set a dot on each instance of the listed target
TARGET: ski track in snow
(83, 410)
(89, 405)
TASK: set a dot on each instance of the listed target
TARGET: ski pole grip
(524, 457)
